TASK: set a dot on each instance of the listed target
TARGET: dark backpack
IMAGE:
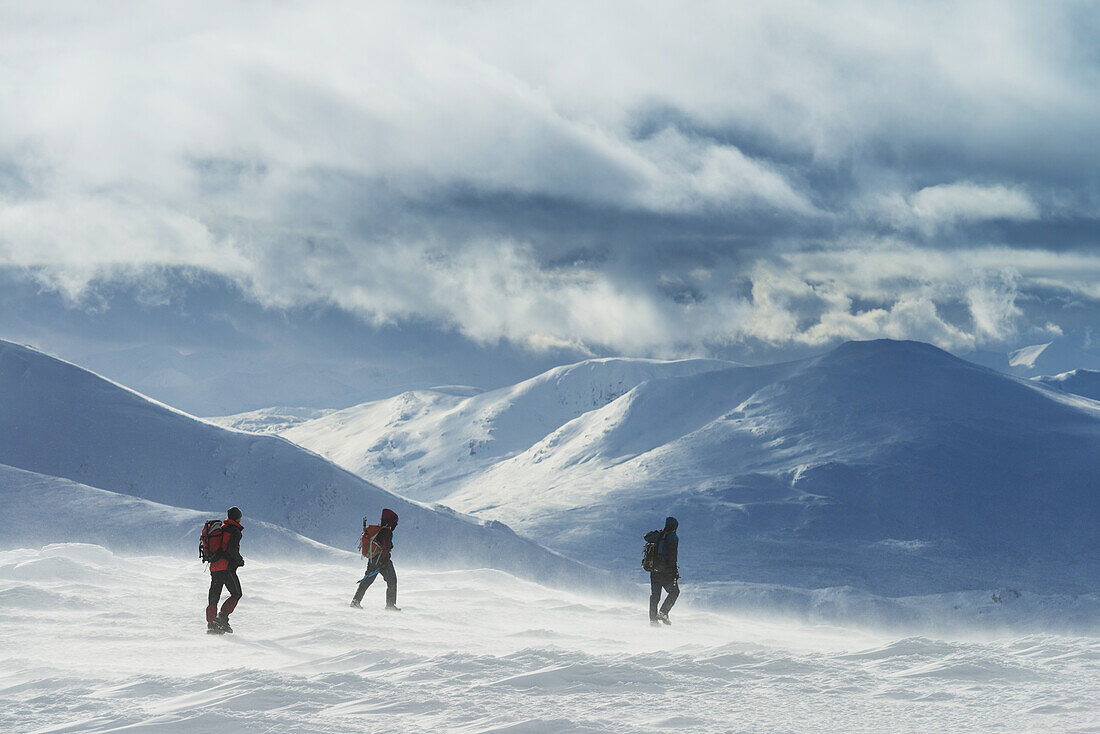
(650, 560)
(212, 541)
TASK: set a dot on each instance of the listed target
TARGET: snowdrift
(884, 466)
(62, 421)
(98, 642)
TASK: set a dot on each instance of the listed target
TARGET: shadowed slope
(60, 420)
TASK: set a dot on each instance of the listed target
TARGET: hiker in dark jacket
(223, 572)
(382, 565)
(666, 573)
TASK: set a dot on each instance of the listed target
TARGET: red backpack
(212, 540)
(368, 543)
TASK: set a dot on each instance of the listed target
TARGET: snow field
(97, 642)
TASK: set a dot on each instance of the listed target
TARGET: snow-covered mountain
(1085, 383)
(891, 466)
(427, 442)
(268, 420)
(61, 421)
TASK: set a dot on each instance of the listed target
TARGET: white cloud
(949, 203)
(300, 150)
(934, 208)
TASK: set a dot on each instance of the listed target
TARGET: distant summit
(429, 441)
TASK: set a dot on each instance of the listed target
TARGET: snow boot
(392, 608)
(222, 620)
(355, 604)
(212, 628)
(663, 617)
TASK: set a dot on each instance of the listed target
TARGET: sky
(411, 193)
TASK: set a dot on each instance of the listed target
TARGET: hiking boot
(392, 608)
(222, 620)
(663, 617)
(355, 604)
(213, 629)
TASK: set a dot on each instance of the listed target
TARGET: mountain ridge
(873, 460)
(62, 421)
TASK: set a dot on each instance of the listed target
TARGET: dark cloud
(698, 179)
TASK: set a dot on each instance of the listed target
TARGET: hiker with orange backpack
(376, 544)
(220, 544)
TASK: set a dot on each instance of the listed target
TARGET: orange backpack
(368, 545)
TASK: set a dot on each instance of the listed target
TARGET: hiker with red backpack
(664, 573)
(220, 544)
(376, 544)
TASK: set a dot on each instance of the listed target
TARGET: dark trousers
(383, 568)
(666, 581)
(218, 579)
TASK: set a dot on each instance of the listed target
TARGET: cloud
(949, 203)
(643, 178)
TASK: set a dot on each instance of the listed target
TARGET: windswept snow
(61, 421)
(96, 642)
(1026, 356)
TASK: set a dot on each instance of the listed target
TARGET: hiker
(663, 572)
(381, 540)
(225, 559)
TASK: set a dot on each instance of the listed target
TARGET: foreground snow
(94, 641)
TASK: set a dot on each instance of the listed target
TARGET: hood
(389, 517)
(671, 523)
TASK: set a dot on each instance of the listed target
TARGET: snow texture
(95, 641)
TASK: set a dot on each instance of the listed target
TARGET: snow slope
(96, 642)
(61, 421)
(38, 510)
(889, 467)
(1085, 383)
(426, 442)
